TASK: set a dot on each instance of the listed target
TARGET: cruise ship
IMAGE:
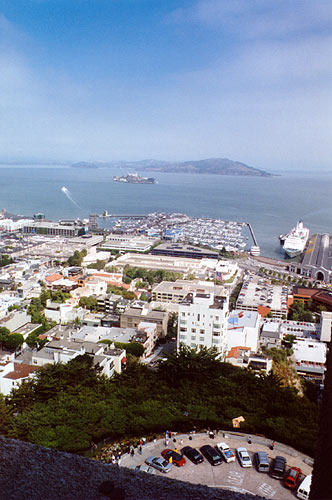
(295, 240)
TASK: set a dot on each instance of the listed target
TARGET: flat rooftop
(319, 252)
(242, 319)
(177, 248)
(309, 351)
(258, 292)
(182, 287)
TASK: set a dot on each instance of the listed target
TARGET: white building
(203, 321)
(176, 291)
(96, 286)
(226, 269)
(15, 320)
(65, 349)
(12, 375)
(243, 329)
(310, 358)
(326, 326)
(63, 313)
(242, 357)
(11, 226)
(125, 243)
(270, 334)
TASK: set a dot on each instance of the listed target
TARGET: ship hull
(292, 253)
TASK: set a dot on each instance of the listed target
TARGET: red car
(292, 478)
(177, 458)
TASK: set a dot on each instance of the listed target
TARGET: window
(198, 317)
(202, 331)
(193, 330)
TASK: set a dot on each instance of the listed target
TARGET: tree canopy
(67, 405)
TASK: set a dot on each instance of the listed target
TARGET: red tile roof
(53, 277)
(263, 310)
(235, 351)
(21, 370)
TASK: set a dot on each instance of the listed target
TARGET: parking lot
(229, 476)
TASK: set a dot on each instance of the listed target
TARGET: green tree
(77, 258)
(99, 265)
(90, 303)
(289, 340)
(14, 341)
(133, 348)
(4, 335)
(5, 260)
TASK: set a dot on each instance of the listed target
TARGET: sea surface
(272, 205)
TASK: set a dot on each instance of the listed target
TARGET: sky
(102, 80)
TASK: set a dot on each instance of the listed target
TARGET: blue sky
(131, 79)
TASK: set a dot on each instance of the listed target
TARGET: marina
(217, 234)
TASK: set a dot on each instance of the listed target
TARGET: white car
(226, 452)
(243, 457)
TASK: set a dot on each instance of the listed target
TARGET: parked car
(177, 458)
(143, 468)
(243, 457)
(292, 478)
(194, 455)
(211, 454)
(278, 467)
(262, 461)
(303, 491)
(159, 463)
(226, 452)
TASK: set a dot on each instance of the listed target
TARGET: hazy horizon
(112, 80)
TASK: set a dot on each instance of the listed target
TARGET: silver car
(159, 463)
(143, 468)
(243, 457)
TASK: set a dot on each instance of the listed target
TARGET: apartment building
(133, 316)
(203, 321)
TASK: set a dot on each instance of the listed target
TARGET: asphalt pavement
(229, 476)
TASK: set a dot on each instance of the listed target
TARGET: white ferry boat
(296, 240)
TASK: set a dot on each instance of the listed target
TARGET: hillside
(217, 166)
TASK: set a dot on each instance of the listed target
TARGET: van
(262, 461)
(303, 490)
(278, 468)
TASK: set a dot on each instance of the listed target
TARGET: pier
(122, 216)
(255, 250)
(252, 234)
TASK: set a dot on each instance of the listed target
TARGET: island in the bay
(135, 179)
(217, 166)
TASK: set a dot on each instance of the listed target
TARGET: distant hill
(218, 166)
(84, 164)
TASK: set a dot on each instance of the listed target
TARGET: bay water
(272, 205)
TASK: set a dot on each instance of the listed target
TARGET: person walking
(140, 449)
